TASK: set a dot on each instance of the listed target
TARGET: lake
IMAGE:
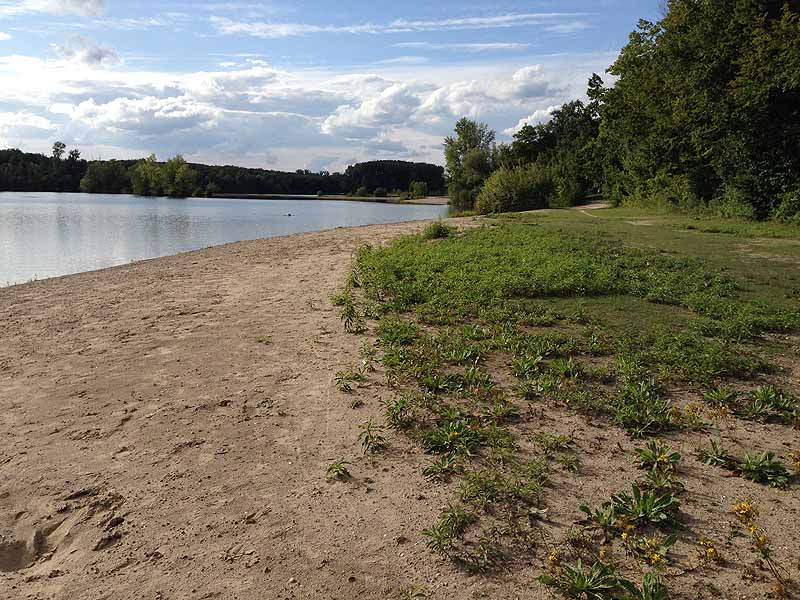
(45, 234)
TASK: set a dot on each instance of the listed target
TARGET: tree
(74, 155)
(106, 177)
(706, 107)
(179, 178)
(468, 155)
(58, 150)
(418, 189)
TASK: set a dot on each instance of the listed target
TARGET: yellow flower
(745, 511)
(605, 551)
(453, 435)
(624, 535)
(553, 558)
(656, 558)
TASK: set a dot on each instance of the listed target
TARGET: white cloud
(228, 26)
(85, 51)
(392, 106)
(145, 116)
(9, 121)
(466, 47)
(542, 115)
(4, 37)
(80, 7)
(569, 27)
(253, 114)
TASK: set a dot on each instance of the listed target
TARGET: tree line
(703, 114)
(20, 171)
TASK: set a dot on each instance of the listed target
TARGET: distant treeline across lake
(27, 172)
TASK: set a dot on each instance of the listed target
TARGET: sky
(315, 84)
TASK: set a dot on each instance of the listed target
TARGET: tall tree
(58, 150)
(468, 155)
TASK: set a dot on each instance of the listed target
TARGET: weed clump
(437, 231)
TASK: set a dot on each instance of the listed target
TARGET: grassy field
(608, 396)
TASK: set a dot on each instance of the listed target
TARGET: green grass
(607, 314)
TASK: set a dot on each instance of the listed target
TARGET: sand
(151, 447)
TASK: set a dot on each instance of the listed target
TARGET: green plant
(396, 332)
(550, 444)
(640, 409)
(452, 436)
(399, 412)
(603, 518)
(597, 582)
(646, 507)
(442, 468)
(453, 523)
(716, 455)
(662, 481)
(338, 469)
(654, 551)
(437, 231)
(720, 397)
(520, 188)
(371, 437)
(566, 368)
(527, 366)
(766, 402)
(763, 468)
(413, 593)
(653, 588)
(657, 456)
(569, 462)
(346, 377)
(264, 339)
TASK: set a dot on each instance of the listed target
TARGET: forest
(68, 172)
(701, 112)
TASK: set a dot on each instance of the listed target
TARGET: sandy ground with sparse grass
(151, 447)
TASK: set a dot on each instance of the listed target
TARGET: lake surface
(45, 235)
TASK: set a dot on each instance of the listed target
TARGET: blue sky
(314, 84)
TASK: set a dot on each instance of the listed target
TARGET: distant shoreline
(431, 200)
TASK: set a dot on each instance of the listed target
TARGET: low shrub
(436, 231)
(788, 210)
(515, 190)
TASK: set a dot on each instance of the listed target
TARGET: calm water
(46, 235)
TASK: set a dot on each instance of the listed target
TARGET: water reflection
(46, 235)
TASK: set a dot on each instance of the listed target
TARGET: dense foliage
(20, 171)
(704, 113)
(394, 175)
(706, 107)
(469, 157)
(516, 189)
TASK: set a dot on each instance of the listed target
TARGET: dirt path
(151, 447)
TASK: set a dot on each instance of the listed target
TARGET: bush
(381, 192)
(788, 210)
(437, 230)
(362, 191)
(514, 190)
(734, 204)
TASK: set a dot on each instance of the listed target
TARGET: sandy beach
(152, 447)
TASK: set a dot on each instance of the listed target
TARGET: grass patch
(603, 315)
